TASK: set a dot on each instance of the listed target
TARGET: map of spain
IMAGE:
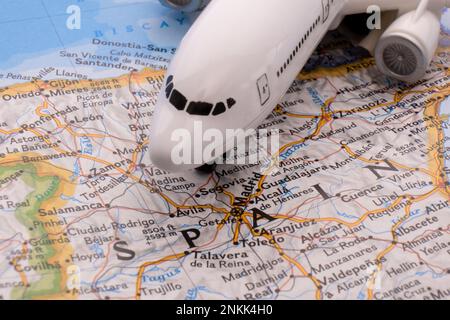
(359, 207)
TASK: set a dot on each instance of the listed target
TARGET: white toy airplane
(241, 56)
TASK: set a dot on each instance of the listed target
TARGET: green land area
(43, 188)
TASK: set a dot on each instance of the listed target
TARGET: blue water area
(30, 28)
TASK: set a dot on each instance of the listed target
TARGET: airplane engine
(185, 5)
(406, 48)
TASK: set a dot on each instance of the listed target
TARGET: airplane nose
(165, 127)
(161, 155)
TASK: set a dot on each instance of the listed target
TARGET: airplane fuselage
(238, 60)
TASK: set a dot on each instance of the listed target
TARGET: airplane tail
(423, 6)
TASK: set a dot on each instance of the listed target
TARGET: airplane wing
(390, 11)
(402, 6)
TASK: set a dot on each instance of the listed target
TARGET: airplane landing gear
(207, 168)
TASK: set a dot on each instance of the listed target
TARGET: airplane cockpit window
(198, 108)
(231, 102)
(169, 89)
(178, 100)
(219, 109)
(169, 86)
